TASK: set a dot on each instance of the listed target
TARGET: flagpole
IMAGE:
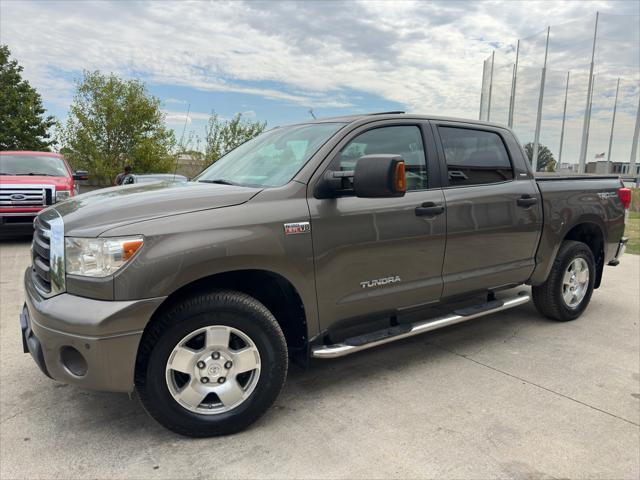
(613, 124)
(582, 159)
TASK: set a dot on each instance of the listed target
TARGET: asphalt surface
(509, 395)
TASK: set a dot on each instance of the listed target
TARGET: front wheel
(567, 291)
(212, 364)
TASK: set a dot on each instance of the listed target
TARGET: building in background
(566, 167)
(602, 167)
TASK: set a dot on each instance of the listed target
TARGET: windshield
(32, 165)
(271, 159)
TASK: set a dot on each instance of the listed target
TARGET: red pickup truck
(29, 182)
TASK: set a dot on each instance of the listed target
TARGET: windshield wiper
(5, 173)
(39, 174)
(220, 181)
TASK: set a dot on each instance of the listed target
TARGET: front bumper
(12, 224)
(90, 343)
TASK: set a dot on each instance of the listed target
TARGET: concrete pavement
(506, 396)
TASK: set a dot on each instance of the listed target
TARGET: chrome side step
(363, 342)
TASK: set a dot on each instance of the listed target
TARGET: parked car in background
(29, 182)
(153, 177)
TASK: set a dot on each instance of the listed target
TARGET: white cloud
(175, 101)
(176, 118)
(424, 55)
(173, 118)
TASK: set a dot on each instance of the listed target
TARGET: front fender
(182, 249)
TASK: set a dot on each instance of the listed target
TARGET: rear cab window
(475, 157)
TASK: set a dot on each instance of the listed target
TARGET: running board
(391, 334)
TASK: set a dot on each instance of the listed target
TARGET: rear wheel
(567, 291)
(212, 364)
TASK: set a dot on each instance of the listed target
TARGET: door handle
(527, 201)
(429, 209)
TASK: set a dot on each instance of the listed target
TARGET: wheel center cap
(214, 370)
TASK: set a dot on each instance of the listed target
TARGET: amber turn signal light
(400, 180)
(130, 248)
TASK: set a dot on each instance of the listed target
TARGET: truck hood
(93, 213)
(58, 182)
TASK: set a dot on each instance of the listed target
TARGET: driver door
(377, 256)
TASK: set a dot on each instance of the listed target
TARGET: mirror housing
(375, 176)
(380, 176)
(81, 175)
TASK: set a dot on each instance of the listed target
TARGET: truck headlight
(62, 195)
(99, 257)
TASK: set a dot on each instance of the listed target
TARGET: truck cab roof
(395, 115)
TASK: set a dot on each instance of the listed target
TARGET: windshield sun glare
(271, 159)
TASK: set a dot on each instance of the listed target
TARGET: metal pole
(634, 146)
(536, 139)
(493, 55)
(613, 122)
(564, 117)
(484, 72)
(587, 110)
(514, 79)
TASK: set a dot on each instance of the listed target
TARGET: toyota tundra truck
(316, 240)
(29, 182)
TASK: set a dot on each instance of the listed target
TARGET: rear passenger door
(493, 208)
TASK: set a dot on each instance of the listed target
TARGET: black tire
(229, 308)
(548, 297)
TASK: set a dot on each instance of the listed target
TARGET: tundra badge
(379, 282)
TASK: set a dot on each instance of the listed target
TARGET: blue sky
(254, 107)
(273, 61)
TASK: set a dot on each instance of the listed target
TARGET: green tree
(546, 161)
(112, 123)
(23, 125)
(223, 136)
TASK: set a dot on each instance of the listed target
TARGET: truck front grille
(40, 265)
(47, 257)
(25, 196)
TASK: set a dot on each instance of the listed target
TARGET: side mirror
(379, 176)
(81, 175)
(374, 176)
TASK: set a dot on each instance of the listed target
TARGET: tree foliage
(112, 123)
(546, 161)
(23, 125)
(222, 136)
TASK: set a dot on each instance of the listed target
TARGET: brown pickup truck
(319, 240)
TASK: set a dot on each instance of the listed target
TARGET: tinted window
(405, 141)
(474, 156)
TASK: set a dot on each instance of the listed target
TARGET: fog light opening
(73, 361)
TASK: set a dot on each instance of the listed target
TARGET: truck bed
(553, 176)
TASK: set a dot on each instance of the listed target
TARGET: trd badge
(295, 228)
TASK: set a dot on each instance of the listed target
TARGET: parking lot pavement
(510, 395)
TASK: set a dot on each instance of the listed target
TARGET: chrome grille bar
(26, 195)
(47, 267)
